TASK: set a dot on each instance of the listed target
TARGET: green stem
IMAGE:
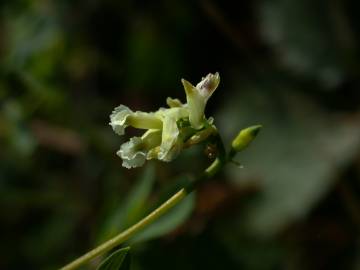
(158, 212)
(125, 235)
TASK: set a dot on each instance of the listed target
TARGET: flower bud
(244, 138)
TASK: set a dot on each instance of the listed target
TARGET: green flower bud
(244, 138)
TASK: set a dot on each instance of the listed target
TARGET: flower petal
(118, 119)
(198, 96)
(173, 102)
(122, 117)
(208, 85)
(131, 153)
(151, 138)
(144, 120)
(170, 141)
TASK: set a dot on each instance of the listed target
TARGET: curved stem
(125, 235)
(158, 212)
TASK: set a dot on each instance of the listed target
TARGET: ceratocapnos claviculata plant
(167, 132)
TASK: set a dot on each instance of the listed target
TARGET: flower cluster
(168, 130)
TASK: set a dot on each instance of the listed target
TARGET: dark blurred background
(292, 66)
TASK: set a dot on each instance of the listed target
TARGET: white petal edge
(118, 119)
(131, 154)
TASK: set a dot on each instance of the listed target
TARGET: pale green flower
(198, 96)
(161, 141)
(169, 130)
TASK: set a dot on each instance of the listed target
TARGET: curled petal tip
(209, 84)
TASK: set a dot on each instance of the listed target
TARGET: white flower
(169, 130)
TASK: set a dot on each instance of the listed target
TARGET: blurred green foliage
(291, 66)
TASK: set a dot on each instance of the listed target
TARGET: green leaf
(309, 47)
(294, 161)
(134, 206)
(119, 260)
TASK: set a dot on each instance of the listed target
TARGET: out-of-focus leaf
(134, 206)
(29, 35)
(58, 138)
(19, 139)
(34, 53)
(312, 37)
(246, 250)
(119, 260)
(169, 222)
(51, 237)
(144, 46)
(296, 157)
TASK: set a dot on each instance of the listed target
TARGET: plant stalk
(146, 221)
